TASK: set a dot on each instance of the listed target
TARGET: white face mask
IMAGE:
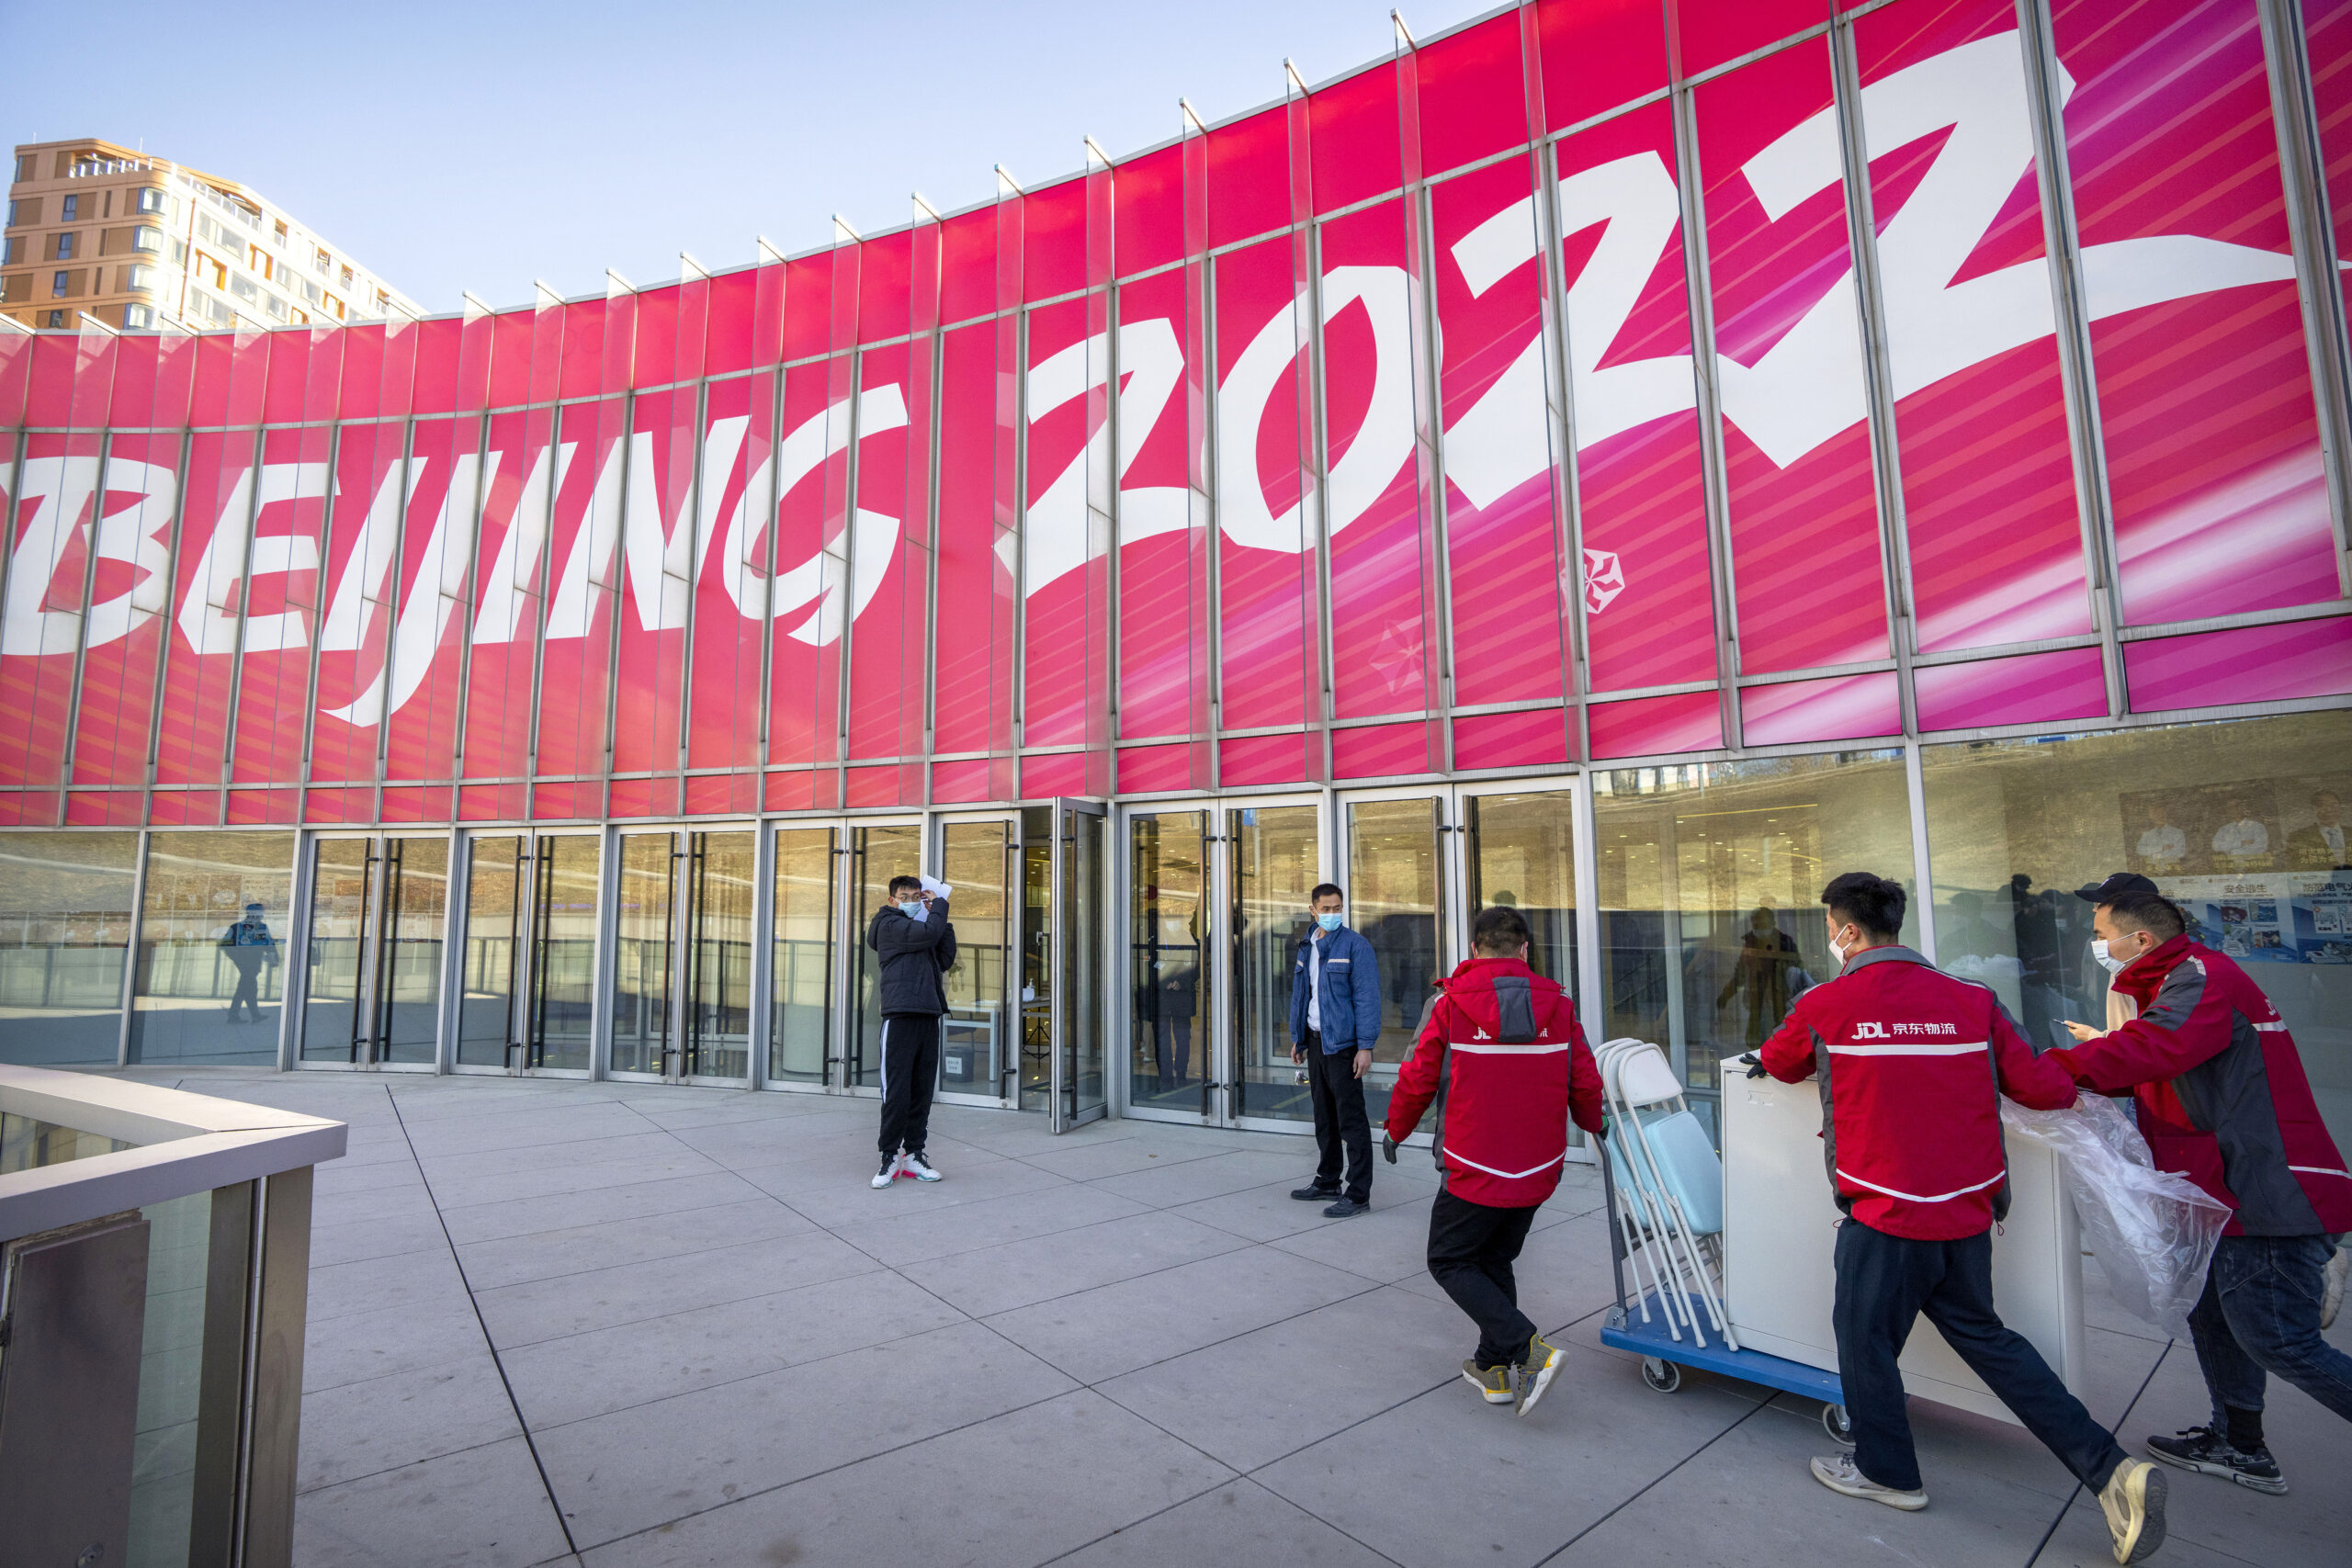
(1838, 950)
(2108, 960)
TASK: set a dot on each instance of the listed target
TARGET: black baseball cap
(2115, 887)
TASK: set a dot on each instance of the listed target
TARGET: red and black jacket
(1913, 1063)
(2221, 1093)
(1520, 1069)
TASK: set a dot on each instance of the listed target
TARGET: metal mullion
(1315, 512)
(691, 519)
(1017, 692)
(544, 570)
(319, 600)
(1212, 572)
(1886, 467)
(763, 747)
(842, 956)
(1560, 421)
(2069, 304)
(1109, 708)
(758, 1027)
(938, 349)
(237, 644)
(1922, 868)
(618, 591)
(845, 645)
(135, 924)
(455, 904)
(1713, 474)
(1751, 57)
(82, 624)
(1438, 576)
(394, 602)
(466, 609)
(2311, 227)
(2279, 616)
(602, 989)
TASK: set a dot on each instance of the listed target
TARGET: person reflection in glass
(1176, 994)
(1767, 956)
(251, 949)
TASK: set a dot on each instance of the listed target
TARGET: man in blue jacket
(1334, 1020)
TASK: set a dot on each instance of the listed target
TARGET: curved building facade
(1629, 461)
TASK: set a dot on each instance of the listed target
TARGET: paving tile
(544, 1255)
(1101, 1333)
(1389, 1245)
(409, 1338)
(557, 1380)
(837, 1192)
(342, 1207)
(375, 1284)
(645, 1466)
(466, 1167)
(1748, 1497)
(1175, 1180)
(575, 1303)
(1563, 1273)
(1449, 1479)
(1265, 1213)
(1238, 1522)
(480, 1508)
(997, 1278)
(1118, 1155)
(355, 1240)
(1247, 1401)
(360, 1429)
(934, 1231)
(457, 1192)
(524, 1127)
(625, 1199)
(1024, 1488)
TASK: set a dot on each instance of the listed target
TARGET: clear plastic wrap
(2153, 1233)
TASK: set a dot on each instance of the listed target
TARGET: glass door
(1171, 1066)
(566, 869)
(1273, 858)
(1418, 865)
(681, 979)
(372, 991)
(877, 851)
(1079, 1018)
(977, 858)
(801, 986)
(491, 1012)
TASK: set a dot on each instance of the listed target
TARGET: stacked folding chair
(1669, 1187)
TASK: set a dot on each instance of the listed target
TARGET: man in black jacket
(917, 946)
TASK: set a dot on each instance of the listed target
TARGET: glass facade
(1396, 484)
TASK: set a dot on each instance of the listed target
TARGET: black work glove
(1755, 1065)
(1389, 1148)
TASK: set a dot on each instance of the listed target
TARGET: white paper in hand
(937, 888)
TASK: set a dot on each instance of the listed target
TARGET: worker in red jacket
(1504, 1045)
(1913, 1063)
(2224, 1099)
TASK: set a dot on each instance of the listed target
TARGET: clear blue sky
(480, 146)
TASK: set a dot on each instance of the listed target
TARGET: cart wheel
(1663, 1376)
(1836, 1423)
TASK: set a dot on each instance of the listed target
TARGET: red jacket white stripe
(2221, 1092)
(1519, 1069)
(1909, 1058)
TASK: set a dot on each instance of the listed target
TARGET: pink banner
(1988, 474)
(2205, 402)
(1648, 606)
(1804, 534)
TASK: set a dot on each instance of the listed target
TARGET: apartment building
(135, 241)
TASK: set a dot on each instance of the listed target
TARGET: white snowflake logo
(1605, 579)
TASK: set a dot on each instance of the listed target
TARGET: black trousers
(1472, 1248)
(1884, 1283)
(1339, 1119)
(909, 1073)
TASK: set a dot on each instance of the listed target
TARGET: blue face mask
(909, 905)
(1329, 922)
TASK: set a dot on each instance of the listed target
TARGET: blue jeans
(2259, 1314)
(1884, 1283)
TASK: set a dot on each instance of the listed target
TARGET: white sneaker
(914, 1166)
(888, 1172)
(1836, 1471)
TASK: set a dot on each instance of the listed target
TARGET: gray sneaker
(1836, 1471)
